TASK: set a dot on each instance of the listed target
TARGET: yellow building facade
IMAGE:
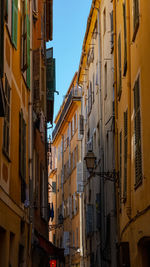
(14, 217)
(131, 57)
(67, 151)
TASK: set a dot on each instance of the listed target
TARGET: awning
(51, 250)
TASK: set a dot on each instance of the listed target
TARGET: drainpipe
(128, 205)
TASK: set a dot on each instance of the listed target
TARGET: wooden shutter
(137, 128)
(14, 22)
(28, 51)
(125, 153)
(125, 38)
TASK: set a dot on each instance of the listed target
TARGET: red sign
(52, 263)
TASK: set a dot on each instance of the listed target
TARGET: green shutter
(28, 51)
(50, 78)
(14, 22)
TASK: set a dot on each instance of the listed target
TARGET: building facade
(15, 230)
(25, 26)
(131, 32)
(67, 154)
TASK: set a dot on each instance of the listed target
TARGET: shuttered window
(36, 75)
(137, 129)
(28, 52)
(89, 98)
(22, 146)
(125, 38)
(125, 154)
(54, 187)
(105, 69)
(119, 67)
(14, 22)
(112, 31)
(6, 127)
(24, 37)
(135, 18)
(120, 164)
(1, 37)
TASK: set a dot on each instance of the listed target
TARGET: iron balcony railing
(74, 95)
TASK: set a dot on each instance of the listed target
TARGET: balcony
(74, 95)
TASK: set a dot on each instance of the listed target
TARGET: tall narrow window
(93, 92)
(6, 128)
(22, 155)
(125, 38)
(119, 67)
(125, 154)
(112, 31)
(120, 164)
(135, 18)
(137, 129)
(24, 38)
(105, 86)
(104, 20)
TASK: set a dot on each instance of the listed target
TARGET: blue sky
(69, 25)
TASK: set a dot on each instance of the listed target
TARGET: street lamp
(90, 160)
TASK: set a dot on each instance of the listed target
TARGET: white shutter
(79, 177)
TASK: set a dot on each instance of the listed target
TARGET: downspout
(128, 205)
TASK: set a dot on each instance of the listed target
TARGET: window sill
(6, 155)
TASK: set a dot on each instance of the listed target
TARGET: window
(104, 20)
(105, 86)
(125, 154)
(137, 129)
(93, 92)
(120, 163)
(119, 67)
(89, 98)
(6, 127)
(35, 5)
(22, 155)
(54, 187)
(125, 38)
(24, 38)
(97, 73)
(22, 146)
(112, 31)
(135, 18)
